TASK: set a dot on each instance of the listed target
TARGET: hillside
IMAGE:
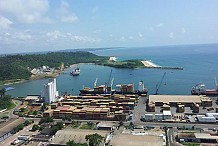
(19, 66)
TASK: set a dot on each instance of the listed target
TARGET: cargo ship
(120, 89)
(200, 89)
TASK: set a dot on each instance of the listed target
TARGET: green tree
(35, 127)
(2, 92)
(94, 139)
(46, 120)
(72, 143)
(35, 112)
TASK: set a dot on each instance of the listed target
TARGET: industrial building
(50, 91)
(179, 101)
(136, 140)
(78, 136)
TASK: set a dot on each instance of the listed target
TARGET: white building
(149, 117)
(203, 119)
(141, 86)
(50, 91)
(158, 117)
(215, 115)
(167, 115)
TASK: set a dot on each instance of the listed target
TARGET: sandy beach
(149, 63)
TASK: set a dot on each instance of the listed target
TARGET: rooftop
(174, 98)
(63, 136)
(136, 140)
(205, 136)
(32, 97)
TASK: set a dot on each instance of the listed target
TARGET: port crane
(158, 85)
(95, 83)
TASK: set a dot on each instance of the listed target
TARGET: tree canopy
(94, 139)
(19, 66)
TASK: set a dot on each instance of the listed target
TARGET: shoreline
(146, 63)
(149, 63)
(36, 77)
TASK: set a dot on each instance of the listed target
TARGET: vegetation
(35, 127)
(19, 66)
(46, 120)
(23, 111)
(56, 127)
(18, 128)
(94, 139)
(89, 125)
(21, 126)
(125, 64)
(6, 102)
(75, 124)
(72, 143)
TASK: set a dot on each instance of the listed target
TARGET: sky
(49, 25)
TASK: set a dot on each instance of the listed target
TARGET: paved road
(11, 138)
(162, 124)
(171, 139)
(11, 113)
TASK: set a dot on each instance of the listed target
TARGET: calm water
(199, 63)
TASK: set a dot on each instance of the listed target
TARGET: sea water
(199, 63)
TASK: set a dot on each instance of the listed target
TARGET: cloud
(140, 35)
(5, 23)
(123, 39)
(171, 35)
(23, 36)
(97, 31)
(95, 9)
(15, 37)
(57, 35)
(64, 14)
(26, 11)
(151, 28)
(54, 35)
(183, 30)
(131, 37)
(159, 25)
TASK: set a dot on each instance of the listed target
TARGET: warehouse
(78, 136)
(173, 100)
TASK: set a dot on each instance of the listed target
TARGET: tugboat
(75, 72)
(200, 89)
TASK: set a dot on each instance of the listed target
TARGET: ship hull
(83, 92)
(215, 93)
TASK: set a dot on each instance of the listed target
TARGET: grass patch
(88, 126)
(75, 124)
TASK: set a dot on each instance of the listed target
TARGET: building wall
(49, 91)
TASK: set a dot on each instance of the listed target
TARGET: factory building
(179, 101)
(50, 91)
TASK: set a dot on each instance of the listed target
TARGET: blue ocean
(200, 63)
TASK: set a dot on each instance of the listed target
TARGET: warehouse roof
(78, 136)
(174, 98)
(136, 140)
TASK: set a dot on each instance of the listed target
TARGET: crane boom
(159, 85)
(95, 83)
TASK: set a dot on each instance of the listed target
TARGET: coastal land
(19, 68)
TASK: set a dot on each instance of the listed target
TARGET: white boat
(75, 72)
